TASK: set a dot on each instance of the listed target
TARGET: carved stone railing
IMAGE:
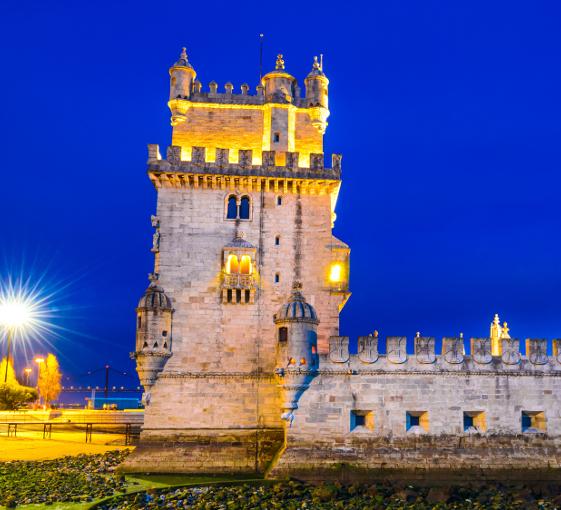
(238, 281)
(453, 354)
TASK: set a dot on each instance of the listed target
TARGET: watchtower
(246, 206)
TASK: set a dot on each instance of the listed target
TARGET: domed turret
(182, 76)
(278, 84)
(317, 95)
(153, 333)
(297, 358)
(316, 86)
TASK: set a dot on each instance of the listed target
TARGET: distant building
(238, 344)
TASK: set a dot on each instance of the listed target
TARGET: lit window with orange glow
(232, 265)
(245, 265)
(336, 273)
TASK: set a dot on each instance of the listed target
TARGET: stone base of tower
(205, 451)
(423, 459)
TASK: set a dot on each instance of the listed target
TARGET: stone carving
(397, 349)
(368, 348)
(174, 154)
(424, 349)
(156, 237)
(510, 348)
(557, 349)
(156, 242)
(481, 350)
(339, 349)
(453, 350)
(536, 350)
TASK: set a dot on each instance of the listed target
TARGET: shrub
(13, 396)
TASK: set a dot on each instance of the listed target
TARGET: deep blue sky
(447, 115)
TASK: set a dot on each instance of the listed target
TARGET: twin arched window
(238, 266)
(238, 208)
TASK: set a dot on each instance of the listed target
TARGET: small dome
(240, 242)
(296, 309)
(316, 69)
(155, 298)
(183, 59)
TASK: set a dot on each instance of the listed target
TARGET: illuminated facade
(238, 344)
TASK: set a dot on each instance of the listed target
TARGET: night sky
(447, 115)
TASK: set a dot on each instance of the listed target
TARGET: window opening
(244, 208)
(232, 212)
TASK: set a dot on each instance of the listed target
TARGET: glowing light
(336, 273)
(16, 313)
(39, 360)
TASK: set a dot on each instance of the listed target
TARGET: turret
(297, 358)
(317, 96)
(153, 335)
(280, 87)
(182, 77)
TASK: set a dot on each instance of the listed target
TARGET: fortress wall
(325, 408)
(324, 440)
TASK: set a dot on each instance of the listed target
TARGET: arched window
(279, 200)
(277, 240)
(139, 321)
(232, 264)
(245, 265)
(232, 211)
(244, 208)
(283, 334)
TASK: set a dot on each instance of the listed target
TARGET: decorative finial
(418, 334)
(316, 65)
(461, 335)
(297, 286)
(506, 329)
(496, 320)
(183, 55)
(280, 62)
(375, 333)
(153, 277)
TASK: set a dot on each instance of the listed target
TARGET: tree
(11, 372)
(49, 379)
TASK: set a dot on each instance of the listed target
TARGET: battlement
(212, 95)
(452, 357)
(245, 163)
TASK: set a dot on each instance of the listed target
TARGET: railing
(238, 281)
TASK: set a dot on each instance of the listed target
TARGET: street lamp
(14, 314)
(27, 371)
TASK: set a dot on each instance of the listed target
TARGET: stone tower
(245, 210)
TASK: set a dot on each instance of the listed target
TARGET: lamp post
(10, 333)
(27, 371)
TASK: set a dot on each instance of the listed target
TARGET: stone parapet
(242, 162)
(453, 357)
